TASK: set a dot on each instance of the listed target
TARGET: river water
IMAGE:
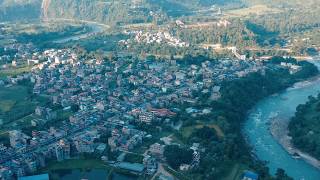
(95, 28)
(265, 146)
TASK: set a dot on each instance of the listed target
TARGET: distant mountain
(124, 11)
(107, 11)
(11, 10)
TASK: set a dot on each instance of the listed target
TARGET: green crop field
(16, 103)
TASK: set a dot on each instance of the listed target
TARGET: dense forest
(304, 127)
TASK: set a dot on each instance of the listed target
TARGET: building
(151, 165)
(62, 150)
(157, 150)
(146, 117)
(35, 177)
(32, 165)
(17, 139)
(5, 173)
(135, 168)
(248, 175)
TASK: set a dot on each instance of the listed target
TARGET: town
(159, 90)
(110, 98)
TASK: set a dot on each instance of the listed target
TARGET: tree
(206, 133)
(281, 175)
(176, 155)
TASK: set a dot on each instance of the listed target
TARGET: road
(160, 171)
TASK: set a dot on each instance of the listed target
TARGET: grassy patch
(235, 172)
(187, 131)
(14, 71)
(17, 104)
(133, 158)
(257, 9)
(6, 105)
(175, 173)
(76, 164)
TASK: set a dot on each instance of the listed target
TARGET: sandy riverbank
(279, 130)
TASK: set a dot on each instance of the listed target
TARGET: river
(281, 108)
(95, 28)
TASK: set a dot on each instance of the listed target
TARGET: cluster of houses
(17, 54)
(160, 37)
(292, 67)
(111, 96)
(221, 23)
(142, 91)
(79, 135)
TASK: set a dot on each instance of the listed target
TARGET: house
(135, 168)
(248, 175)
(184, 167)
(163, 177)
(157, 150)
(150, 164)
(146, 117)
(35, 177)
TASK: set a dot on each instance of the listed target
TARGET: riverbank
(279, 129)
(266, 131)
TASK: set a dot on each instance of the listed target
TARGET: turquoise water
(265, 146)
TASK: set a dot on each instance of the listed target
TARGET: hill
(11, 10)
(123, 11)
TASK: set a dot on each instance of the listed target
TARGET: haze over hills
(11, 10)
(122, 11)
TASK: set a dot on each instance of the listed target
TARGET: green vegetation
(76, 164)
(304, 127)
(13, 72)
(43, 35)
(17, 103)
(238, 97)
(133, 158)
(176, 155)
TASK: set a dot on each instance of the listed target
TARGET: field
(12, 96)
(16, 105)
(257, 10)
(187, 131)
(236, 172)
(76, 164)
(14, 71)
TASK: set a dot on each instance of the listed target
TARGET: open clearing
(257, 10)
(187, 131)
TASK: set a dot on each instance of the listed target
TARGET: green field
(256, 9)
(15, 71)
(17, 104)
(76, 164)
(13, 96)
(187, 131)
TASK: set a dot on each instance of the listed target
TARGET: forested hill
(11, 10)
(123, 11)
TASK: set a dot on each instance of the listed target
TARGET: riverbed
(95, 28)
(277, 110)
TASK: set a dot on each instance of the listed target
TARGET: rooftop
(131, 166)
(35, 177)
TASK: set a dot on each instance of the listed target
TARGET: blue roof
(36, 177)
(131, 166)
(250, 175)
